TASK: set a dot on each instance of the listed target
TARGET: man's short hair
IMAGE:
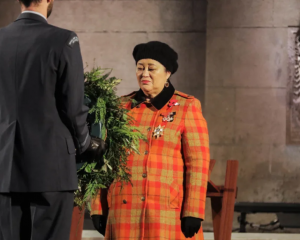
(27, 3)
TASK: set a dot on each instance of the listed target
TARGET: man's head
(38, 5)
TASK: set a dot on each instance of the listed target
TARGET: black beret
(158, 51)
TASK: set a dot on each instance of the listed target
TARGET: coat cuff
(196, 210)
(85, 144)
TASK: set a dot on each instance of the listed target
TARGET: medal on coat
(169, 117)
(158, 131)
(173, 102)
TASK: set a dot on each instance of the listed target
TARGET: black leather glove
(99, 222)
(190, 226)
(94, 152)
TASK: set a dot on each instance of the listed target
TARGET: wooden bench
(223, 200)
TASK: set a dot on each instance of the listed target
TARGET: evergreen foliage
(117, 130)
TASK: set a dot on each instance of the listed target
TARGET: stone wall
(245, 68)
(246, 78)
(108, 30)
(9, 11)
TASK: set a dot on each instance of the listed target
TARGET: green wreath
(107, 120)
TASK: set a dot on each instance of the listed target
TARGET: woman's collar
(159, 101)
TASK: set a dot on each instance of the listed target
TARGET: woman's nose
(145, 73)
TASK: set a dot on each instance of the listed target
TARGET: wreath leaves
(117, 130)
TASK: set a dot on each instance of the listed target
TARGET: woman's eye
(140, 69)
(151, 69)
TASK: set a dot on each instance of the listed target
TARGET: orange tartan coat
(170, 175)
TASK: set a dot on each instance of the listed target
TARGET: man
(42, 125)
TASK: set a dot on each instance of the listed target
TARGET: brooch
(173, 102)
(158, 131)
(169, 117)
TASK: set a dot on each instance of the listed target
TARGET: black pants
(36, 216)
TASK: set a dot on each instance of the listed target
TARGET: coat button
(144, 175)
(124, 201)
(149, 129)
(143, 199)
(146, 152)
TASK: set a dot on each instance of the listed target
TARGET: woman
(169, 178)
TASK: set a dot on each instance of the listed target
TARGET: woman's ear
(168, 75)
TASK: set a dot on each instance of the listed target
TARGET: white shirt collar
(35, 13)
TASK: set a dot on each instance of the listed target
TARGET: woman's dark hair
(27, 3)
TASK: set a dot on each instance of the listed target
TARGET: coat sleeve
(70, 93)
(195, 145)
(99, 205)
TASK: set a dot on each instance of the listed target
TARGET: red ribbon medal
(173, 102)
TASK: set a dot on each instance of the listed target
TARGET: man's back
(37, 132)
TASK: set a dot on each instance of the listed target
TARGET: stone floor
(93, 235)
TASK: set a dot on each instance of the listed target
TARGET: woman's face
(151, 76)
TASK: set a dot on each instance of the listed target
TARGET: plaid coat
(169, 177)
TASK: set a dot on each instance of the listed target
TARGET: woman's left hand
(190, 226)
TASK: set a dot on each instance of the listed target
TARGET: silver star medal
(158, 131)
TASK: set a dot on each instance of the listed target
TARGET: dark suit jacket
(42, 116)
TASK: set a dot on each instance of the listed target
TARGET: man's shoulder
(6, 30)
(62, 33)
(58, 38)
(2, 29)
(60, 30)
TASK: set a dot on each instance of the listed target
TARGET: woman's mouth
(145, 81)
